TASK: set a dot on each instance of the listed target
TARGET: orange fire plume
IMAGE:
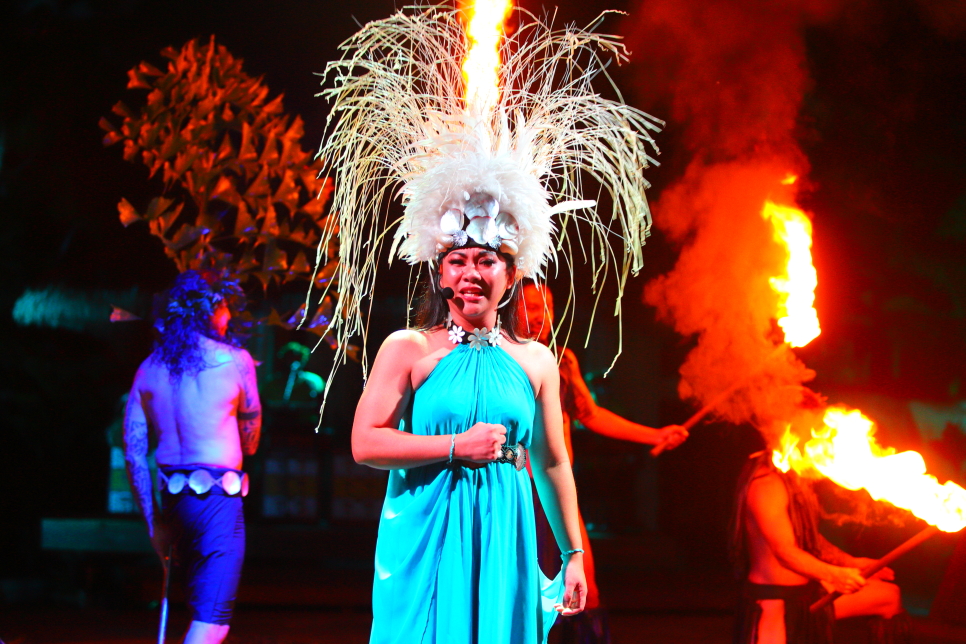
(845, 451)
(481, 68)
(797, 315)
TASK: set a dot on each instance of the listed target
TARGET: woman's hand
(481, 443)
(575, 587)
(846, 580)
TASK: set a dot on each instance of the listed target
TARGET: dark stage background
(882, 121)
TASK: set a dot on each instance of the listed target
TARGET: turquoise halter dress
(456, 558)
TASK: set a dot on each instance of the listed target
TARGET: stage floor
(254, 625)
(313, 586)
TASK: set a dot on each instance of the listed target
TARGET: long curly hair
(187, 317)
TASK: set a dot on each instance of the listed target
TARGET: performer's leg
(549, 555)
(215, 544)
(771, 624)
(875, 598)
(894, 630)
(590, 626)
(204, 633)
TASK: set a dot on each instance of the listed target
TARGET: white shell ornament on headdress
(495, 176)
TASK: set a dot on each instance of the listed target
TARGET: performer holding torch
(197, 395)
(787, 565)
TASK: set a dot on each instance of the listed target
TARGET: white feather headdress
(399, 125)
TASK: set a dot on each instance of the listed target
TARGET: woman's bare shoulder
(766, 485)
(406, 336)
(541, 356)
(407, 344)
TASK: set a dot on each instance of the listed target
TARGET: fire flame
(798, 318)
(481, 68)
(845, 451)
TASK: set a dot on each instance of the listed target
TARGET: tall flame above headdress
(493, 171)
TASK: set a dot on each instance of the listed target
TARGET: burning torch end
(870, 570)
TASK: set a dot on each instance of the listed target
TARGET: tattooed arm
(136, 456)
(249, 406)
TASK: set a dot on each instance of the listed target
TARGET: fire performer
(197, 395)
(453, 407)
(578, 404)
(787, 565)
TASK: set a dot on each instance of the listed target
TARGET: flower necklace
(479, 338)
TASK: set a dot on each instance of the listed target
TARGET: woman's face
(479, 279)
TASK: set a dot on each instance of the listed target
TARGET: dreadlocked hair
(187, 317)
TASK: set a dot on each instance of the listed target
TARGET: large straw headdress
(492, 175)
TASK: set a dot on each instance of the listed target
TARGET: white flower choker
(479, 338)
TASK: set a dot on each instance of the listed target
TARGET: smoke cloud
(735, 75)
(719, 290)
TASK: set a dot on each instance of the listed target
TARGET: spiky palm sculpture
(239, 195)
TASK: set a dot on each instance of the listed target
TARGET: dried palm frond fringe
(399, 125)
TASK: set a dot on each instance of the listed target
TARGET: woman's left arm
(555, 480)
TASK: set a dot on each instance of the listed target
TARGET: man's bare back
(204, 418)
(198, 395)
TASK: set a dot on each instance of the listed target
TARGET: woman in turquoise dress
(453, 410)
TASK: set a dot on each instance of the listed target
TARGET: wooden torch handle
(871, 569)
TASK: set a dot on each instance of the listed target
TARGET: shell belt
(200, 481)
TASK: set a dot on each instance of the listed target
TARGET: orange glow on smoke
(845, 451)
(481, 68)
(797, 315)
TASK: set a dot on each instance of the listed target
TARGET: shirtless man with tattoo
(197, 396)
(787, 565)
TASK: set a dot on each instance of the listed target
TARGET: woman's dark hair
(190, 305)
(432, 309)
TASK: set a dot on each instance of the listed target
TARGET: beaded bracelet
(571, 552)
(452, 448)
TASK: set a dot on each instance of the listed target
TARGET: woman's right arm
(378, 443)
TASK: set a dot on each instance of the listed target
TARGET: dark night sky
(882, 123)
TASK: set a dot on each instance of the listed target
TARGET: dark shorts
(801, 625)
(208, 533)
